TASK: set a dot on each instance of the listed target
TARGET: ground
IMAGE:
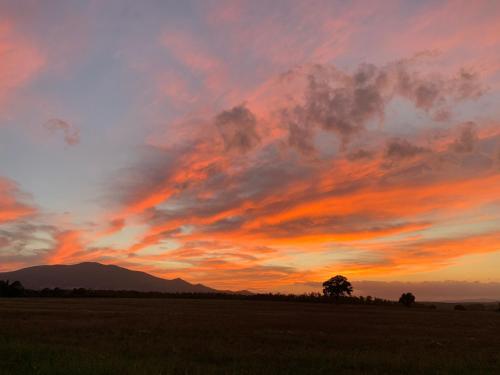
(177, 336)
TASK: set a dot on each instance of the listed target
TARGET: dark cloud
(152, 173)
(346, 103)
(336, 102)
(238, 128)
(24, 239)
(271, 176)
(301, 138)
(362, 223)
(465, 157)
(425, 94)
(360, 155)
(71, 134)
(402, 149)
(467, 139)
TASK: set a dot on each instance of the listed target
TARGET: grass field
(174, 336)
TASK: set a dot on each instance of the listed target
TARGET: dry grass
(173, 336)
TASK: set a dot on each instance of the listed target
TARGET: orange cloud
(68, 243)
(359, 206)
(11, 206)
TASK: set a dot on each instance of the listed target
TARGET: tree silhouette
(407, 299)
(337, 286)
(8, 289)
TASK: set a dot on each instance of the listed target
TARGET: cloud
(14, 204)
(467, 139)
(276, 202)
(301, 138)
(402, 149)
(335, 101)
(237, 127)
(205, 213)
(68, 244)
(21, 60)
(71, 134)
(25, 242)
(345, 103)
(360, 155)
(468, 85)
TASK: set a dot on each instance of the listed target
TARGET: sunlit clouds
(254, 147)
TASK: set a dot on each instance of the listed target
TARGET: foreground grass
(169, 336)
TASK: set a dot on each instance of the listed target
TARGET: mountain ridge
(98, 276)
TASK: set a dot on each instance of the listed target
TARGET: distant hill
(99, 277)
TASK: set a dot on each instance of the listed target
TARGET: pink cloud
(21, 60)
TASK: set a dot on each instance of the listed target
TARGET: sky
(253, 144)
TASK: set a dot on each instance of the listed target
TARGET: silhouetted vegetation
(8, 289)
(407, 299)
(309, 297)
(336, 287)
(336, 290)
(16, 289)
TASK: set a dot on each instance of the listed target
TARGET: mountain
(99, 277)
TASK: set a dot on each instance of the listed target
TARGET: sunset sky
(262, 145)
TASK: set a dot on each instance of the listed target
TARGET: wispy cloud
(14, 204)
(71, 133)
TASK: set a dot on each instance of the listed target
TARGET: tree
(337, 286)
(8, 289)
(407, 299)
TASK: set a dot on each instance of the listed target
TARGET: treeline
(310, 297)
(16, 290)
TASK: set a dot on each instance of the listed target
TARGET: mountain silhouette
(98, 276)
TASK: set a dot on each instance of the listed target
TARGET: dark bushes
(8, 289)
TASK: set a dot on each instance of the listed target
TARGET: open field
(174, 336)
